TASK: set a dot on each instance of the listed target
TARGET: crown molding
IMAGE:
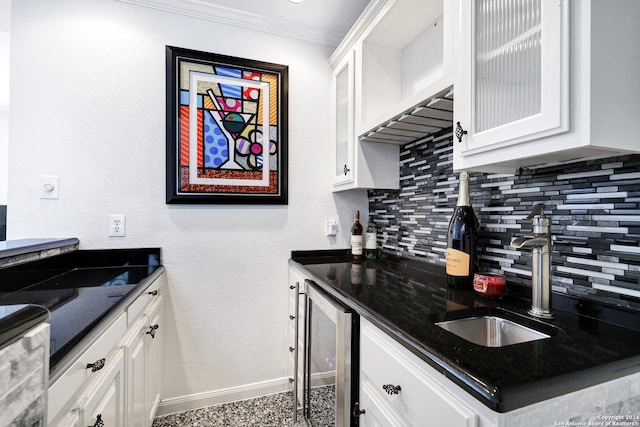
(243, 19)
(357, 29)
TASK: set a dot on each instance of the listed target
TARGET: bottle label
(371, 241)
(457, 262)
(356, 244)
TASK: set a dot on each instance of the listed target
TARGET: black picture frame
(230, 96)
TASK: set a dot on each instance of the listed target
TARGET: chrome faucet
(540, 245)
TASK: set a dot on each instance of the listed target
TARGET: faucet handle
(538, 210)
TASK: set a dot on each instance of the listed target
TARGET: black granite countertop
(79, 289)
(589, 342)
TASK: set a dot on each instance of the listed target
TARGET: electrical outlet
(117, 225)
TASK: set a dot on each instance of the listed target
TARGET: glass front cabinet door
(511, 84)
(343, 121)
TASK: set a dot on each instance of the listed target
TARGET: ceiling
(335, 16)
(319, 21)
(328, 15)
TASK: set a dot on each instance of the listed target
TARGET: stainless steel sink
(491, 331)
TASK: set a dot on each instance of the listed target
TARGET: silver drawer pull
(99, 422)
(152, 330)
(392, 389)
(96, 366)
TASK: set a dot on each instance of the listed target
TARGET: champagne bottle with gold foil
(462, 240)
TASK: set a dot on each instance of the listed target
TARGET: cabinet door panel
(343, 121)
(105, 401)
(136, 364)
(512, 84)
(154, 350)
(419, 399)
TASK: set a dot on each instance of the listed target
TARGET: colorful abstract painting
(226, 129)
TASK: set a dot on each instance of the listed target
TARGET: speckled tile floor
(268, 411)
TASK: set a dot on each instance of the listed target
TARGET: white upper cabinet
(406, 56)
(539, 82)
(391, 85)
(342, 121)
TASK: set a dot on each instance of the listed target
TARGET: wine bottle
(356, 238)
(462, 240)
(371, 237)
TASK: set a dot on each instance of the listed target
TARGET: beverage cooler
(326, 378)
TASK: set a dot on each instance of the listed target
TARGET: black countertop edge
(18, 320)
(59, 365)
(10, 248)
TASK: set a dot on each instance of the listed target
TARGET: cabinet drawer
(421, 400)
(377, 413)
(77, 375)
(146, 298)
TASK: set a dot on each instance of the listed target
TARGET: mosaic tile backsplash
(594, 208)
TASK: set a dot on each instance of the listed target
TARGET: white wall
(4, 152)
(5, 39)
(88, 105)
(5, 26)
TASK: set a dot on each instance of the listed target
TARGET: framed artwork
(226, 129)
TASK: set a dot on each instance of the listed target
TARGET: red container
(489, 284)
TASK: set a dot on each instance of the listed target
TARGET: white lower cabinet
(136, 359)
(155, 359)
(125, 391)
(395, 389)
(103, 404)
(143, 361)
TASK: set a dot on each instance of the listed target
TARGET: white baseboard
(225, 395)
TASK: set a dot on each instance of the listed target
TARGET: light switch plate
(331, 227)
(49, 186)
